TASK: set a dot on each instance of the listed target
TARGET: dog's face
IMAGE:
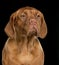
(26, 21)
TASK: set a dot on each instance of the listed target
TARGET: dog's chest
(23, 53)
(25, 56)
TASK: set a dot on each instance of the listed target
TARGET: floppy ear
(9, 27)
(43, 28)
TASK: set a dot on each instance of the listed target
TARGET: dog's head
(27, 21)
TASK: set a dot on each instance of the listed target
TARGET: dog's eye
(38, 16)
(23, 16)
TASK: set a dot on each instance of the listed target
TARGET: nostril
(33, 21)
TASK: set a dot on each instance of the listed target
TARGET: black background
(50, 10)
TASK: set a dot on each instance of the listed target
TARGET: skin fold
(22, 46)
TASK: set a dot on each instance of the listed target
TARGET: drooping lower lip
(33, 31)
(33, 28)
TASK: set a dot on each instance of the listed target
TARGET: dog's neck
(25, 39)
(25, 42)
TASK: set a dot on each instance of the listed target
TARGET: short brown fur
(23, 46)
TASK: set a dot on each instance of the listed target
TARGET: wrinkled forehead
(28, 10)
(31, 10)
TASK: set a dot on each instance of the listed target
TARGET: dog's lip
(33, 31)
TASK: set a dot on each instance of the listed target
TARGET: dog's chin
(32, 33)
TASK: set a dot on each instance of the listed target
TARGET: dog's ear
(9, 27)
(43, 27)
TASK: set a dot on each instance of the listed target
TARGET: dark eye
(37, 15)
(23, 16)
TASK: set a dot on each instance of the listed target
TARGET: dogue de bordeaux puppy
(23, 29)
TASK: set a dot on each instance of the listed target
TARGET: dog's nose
(32, 21)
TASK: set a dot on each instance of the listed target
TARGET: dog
(23, 29)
